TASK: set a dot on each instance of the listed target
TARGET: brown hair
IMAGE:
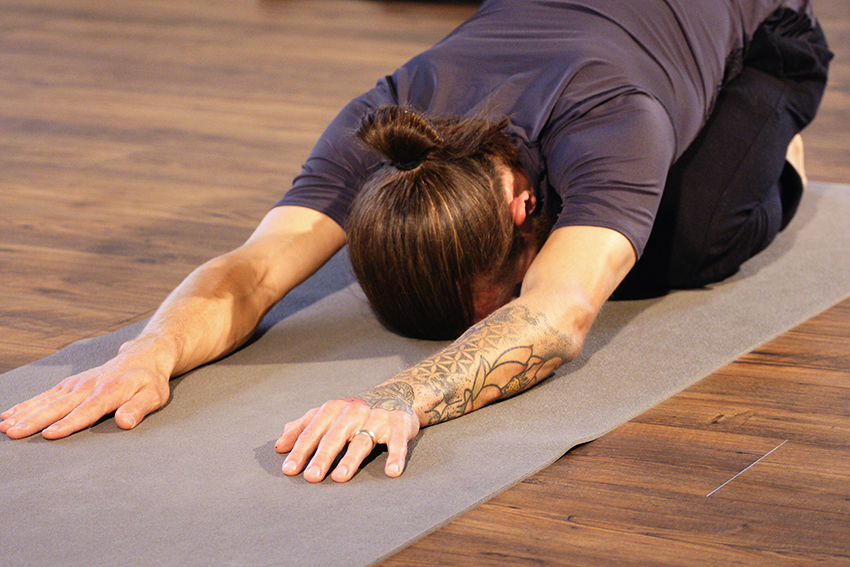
(433, 220)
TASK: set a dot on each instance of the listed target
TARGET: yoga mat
(199, 483)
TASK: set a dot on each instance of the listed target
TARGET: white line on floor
(746, 469)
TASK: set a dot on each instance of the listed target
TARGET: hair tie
(408, 165)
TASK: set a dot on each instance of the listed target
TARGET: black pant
(732, 191)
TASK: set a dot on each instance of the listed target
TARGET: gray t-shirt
(602, 96)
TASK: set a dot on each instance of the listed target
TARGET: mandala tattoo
(484, 365)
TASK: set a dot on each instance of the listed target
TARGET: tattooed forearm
(503, 355)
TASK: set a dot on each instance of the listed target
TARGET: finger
(83, 415)
(359, 448)
(37, 420)
(292, 430)
(396, 453)
(36, 417)
(134, 410)
(51, 405)
(52, 392)
(75, 421)
(350, 419)
(309, 439)
(330, 446)
(20, 412)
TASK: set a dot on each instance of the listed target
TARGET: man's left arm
(506, 353)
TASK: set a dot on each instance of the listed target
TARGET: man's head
(441, 236)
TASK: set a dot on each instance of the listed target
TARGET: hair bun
(403, 135)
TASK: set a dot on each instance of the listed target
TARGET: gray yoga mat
(199, 483)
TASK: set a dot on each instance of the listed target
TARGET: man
(646, 130)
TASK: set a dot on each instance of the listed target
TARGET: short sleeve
(609, 166)
(339, 163)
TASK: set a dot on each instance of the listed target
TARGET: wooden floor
(139, 139)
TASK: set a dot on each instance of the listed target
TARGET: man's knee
(731, 247)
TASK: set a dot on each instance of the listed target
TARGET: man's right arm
(213, 312)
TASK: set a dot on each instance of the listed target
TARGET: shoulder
(338, 165)
(608, 167)
(631, 127)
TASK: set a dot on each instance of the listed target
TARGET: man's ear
(522, 205)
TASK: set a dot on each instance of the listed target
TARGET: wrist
(159, 354)
(391, 396)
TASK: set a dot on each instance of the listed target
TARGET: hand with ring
(325, 431)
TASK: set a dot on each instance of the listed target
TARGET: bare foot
(794, 156)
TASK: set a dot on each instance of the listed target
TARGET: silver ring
(369, 433)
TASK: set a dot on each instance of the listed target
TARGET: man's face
(491, 293)
(490, 296)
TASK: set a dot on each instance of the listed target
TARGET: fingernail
(10, 422)
(343, 470)
(392, 469)
(289, 467)
(313, 471)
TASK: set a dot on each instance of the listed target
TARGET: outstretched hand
(325, 431)
(130, 390)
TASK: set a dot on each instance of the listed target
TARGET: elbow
(576, 324)
(568, 318)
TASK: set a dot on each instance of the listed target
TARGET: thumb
(131, 412)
